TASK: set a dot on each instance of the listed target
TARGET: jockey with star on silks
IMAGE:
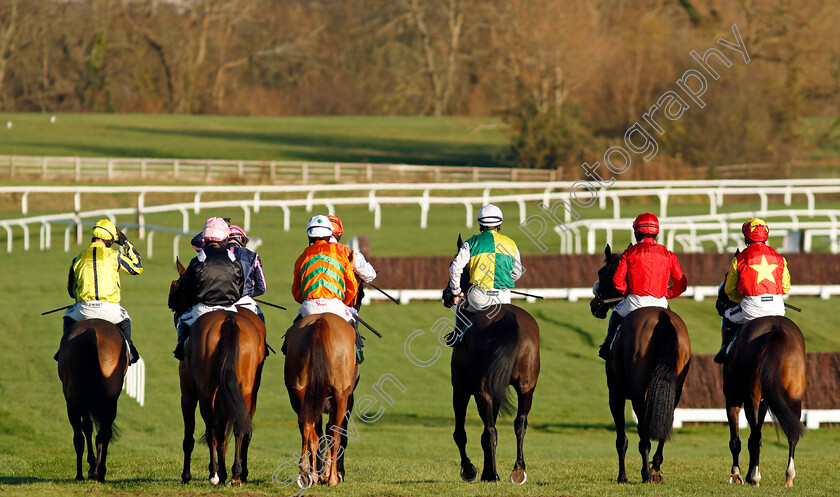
(94, 281)
(252, 271)
(213, 280)
(324, 280)
(642, 276)
(494, 265)
(757, 279)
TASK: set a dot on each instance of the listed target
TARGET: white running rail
(134, 382)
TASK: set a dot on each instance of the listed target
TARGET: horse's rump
(779, 352)
(492, 351)
(316, 345)
(91, 365)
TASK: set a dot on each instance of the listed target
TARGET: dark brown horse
(764, 370)
(91, 364)
(650, 360)
(220, 373)
(320, 369)
(500, 348)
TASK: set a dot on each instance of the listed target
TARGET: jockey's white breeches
(480, 298)
(753, 307)
(249, 303)
(198, 310)
(633, 302)
(95, 309)
(321, 306)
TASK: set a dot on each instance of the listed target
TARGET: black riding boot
(65, 327)
(462, 324)
(360, 357)
(125, 329)
(728, 329)
(183, 334)
(612, 329)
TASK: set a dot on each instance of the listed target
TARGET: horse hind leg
(103, 437)
(337, 416)
(755, 416)
(790, 472)
(732, 415)
(489, 438)
(78, 438)
(460, 401)
(87, 428)
(656, 463)
(617, 408)
(520, 425)
(188, 405)
(644, 441)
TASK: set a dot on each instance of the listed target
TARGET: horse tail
(318, 371)
(231, 393)
(662, 387)
(502, 346)
(771, 360)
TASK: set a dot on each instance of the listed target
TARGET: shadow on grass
(332, 148)
(582, 334)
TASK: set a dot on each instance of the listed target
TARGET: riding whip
(368, 326)
(383, 293)
(56, 310)
(793, 307)
(610, 301)
(526, 294)
(269, 304)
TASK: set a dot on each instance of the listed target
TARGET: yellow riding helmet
(105, 230)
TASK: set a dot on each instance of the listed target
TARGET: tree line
(568, 77)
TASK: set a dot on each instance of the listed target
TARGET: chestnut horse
(500, 348)
(321, 370)
(92, 363)
(764, 370)
(220, 373)
(650, 360)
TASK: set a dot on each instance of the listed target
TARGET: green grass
(409, 451)
(412, 140)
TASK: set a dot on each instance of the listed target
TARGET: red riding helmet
(755, 230)
(646, 223)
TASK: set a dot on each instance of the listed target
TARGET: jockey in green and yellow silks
(494, 265)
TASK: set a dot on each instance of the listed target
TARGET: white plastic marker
(9, 124)
(52, 119)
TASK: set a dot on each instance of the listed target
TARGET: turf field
(411, 140)
(409, 451)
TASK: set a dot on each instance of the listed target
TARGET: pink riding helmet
(216, 230)
(239, 234)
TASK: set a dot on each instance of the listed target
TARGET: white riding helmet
(319, 226)
(490, 215)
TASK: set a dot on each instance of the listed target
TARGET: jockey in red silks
(643, 275)
(757, 279)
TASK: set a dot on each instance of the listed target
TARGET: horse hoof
(468, 473)
(490, 478)
(736, 479)
(234, 482)
(656, 477)
(80, 478)
(304, 481)
(519, 477)
(214, 480)
(341, 477)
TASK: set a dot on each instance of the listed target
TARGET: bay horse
(92, 363)
(764, 370)
(501, 348)
(221, 373)
(650, 360)
(321, 374)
